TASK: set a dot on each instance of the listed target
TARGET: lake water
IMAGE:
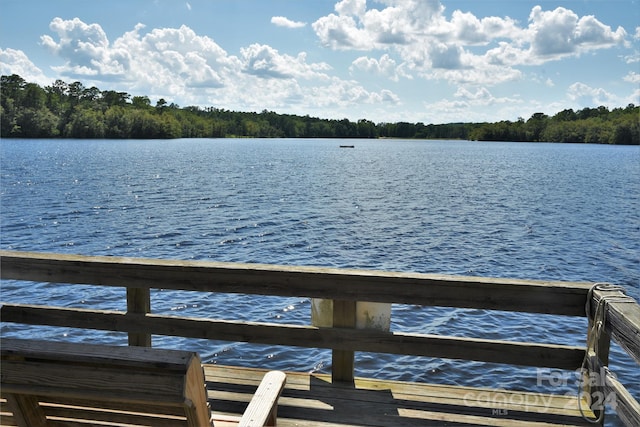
(518, 210)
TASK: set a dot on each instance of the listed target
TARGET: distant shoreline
(74, 111)
(350, 140)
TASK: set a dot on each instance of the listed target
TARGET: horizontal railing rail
(621, 318)
(548, 297)
(341, 286)
(508, 352)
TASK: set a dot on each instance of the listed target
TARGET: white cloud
(632, 77)
(445, 56)
(482, 97)
(561, 32)
(188, 6)
(551, 31)
(389, 97)
(266, 62)
(170, 62)
(633, 58)
(341, 32)
(580, 95)
(634, 98)
(351, 7)
(86, 48)
(480, 94)
(463, 48)
(474, 107)
(173, 58)
(344, 93)
(587, 96)
(477, 72)
(281, 21)
(334, 98)
(466, 28)
(385, 66)
(16, 62)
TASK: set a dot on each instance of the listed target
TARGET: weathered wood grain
(345, 287)
(552, 297)
(263, 407)
(626, 406)
(517, 353)
(314, 400)
(343, 361)
(139, 302)
(622, 320)
(146, 383)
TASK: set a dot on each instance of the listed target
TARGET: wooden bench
(54, 384)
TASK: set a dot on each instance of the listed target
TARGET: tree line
(71, 110)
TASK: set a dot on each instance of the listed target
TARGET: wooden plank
(69, 413)
(25, 409)
(167, 411)
(625, 405)
(553, 297)
(195, 396)
(437, 418)
(95, 382)
(82, 377)
(6, 415)
(509, 352)
(440, 393)
(124, 357)
(263, 408)
(604, 389)
(139, 302)
(313, 400)
(239, 381)
(622, 319)
(343, 361)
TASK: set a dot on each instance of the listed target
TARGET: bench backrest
(48, 383)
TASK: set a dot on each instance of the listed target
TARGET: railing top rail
(619, 315)
(536, 296)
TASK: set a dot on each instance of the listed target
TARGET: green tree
(85, 123)
(141, 102)
(37, 123)
(112, 98)
(535, 126)
(74, 111)
(118, 122)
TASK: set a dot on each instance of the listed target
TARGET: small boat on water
(347, 146)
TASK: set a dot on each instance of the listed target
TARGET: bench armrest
(262, 410)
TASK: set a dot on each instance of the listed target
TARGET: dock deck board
(312, 400)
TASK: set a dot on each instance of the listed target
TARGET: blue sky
(430, 61)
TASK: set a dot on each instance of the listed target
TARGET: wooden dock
(339, 398)
(313, 400)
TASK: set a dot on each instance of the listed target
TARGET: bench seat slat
(72, 412)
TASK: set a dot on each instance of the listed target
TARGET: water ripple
(534, 211)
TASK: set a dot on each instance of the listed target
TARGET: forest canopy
(71, 110)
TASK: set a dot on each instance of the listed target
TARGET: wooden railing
(345, 288)
(611, 314)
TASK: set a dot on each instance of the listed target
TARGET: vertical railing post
(139, 302)
(342, 361)
(598, 346)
